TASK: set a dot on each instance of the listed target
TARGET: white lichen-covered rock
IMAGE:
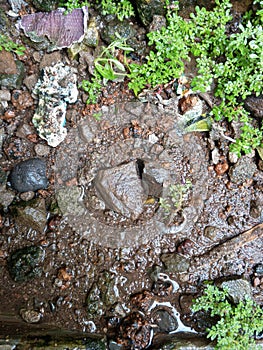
(56, 88)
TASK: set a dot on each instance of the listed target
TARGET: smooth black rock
(29, 175)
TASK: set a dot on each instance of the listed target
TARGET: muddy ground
(99, 272)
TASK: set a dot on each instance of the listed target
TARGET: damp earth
(109, 232)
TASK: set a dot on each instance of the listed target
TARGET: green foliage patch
(106, 67)
(8, 45)
(121, 8)
(233, 61)
(177, 194)
(238, 323)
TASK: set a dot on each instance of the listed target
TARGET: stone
(6, 197)
(164, 320)
(243, 170)
(91, 38)
(50, 59)
(13, 81)
(56, 29)
(121, 189)
(238, 289)
(21, 100)
(41, 150)
(148, 8)
(102, 295)
(69, 200)
(31, 214)
(25, 264)
(9, 68)
(27, 196)
(56, 88)
(175, 262)
(29, 175)
(30, 316)
(211, 232)
(30, 81)
(124, 29)
(5, 95)
(17, 5)
(255, 106)
(46, 5)
(256, 206)
(157, 23)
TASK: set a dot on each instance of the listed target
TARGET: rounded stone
(165, 321)
(29, 175)
(30, 316)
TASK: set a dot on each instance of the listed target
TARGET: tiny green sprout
(106, 67)
(177, 194)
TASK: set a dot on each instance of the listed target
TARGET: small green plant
(106, 67)
(121, 8)
(238, 323)
(8, 45)
(177, 194)
(70, 5)
(165, 60)
(93, 88)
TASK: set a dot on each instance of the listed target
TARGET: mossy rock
(25, 264)
(46, 5)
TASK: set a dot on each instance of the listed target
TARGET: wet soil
(103, 273)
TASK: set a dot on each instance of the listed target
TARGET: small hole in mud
(140, 167)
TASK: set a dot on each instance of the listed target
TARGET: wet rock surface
(243, 170)
(30, 214)
(124, 269)
(238, 289)
(29, 175)
(121, 189)
(163, 167)
(25, 263)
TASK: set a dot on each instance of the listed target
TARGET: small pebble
(42, 150)
(27, 196)
(30, 316)
(5, 95)
(29, 175)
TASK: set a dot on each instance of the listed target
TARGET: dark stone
(255, 106)
(24, 264)
(102, 294)
(13, 81)
(165, 321)
(46, 5)
(124, 29)
(259, 269)
(148, 8)
(29, 175)
(95, 344)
